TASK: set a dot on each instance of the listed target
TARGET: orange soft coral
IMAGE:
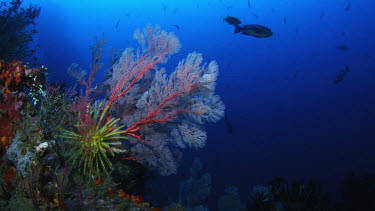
(14, 77)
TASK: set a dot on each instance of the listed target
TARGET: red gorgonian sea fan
(161, 113)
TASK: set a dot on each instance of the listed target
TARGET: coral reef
(15, 77)
(53, 114)
(93, 141)
(97, 149)
(149, 103)
(158, 104)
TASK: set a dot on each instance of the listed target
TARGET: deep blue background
(303, 127)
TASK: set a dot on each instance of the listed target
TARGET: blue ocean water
(289, 118)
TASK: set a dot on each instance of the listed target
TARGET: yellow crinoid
(93, 140)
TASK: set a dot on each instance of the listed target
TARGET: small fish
(342, 48)
(284, 20)
(37, 45)
(341, 75)
(175, 25)
(117, 23)
(248, 3)
(229, 7)
(232, 20)
(347, 8)
(254, 30)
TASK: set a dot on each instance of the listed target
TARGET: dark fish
(175, 25)
(342, 48)
(248, 3)
(342, 75)
(228, 124)
(232, 20)
(347, 8)
(38, 45)
(117, 23)
(229, 7)
(297, 30)
(284, 20)
(255, 30)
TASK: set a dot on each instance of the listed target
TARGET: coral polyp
(93, 140)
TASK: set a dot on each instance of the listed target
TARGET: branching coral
(53, 110)
(149, 102)
(158, 103)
